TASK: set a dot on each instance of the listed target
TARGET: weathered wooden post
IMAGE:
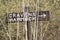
(26, 10)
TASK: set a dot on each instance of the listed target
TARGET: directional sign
(42, 16)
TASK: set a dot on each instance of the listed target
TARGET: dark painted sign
(41, 16)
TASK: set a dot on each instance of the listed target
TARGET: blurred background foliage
(10, 6)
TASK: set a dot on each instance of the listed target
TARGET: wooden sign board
(15, 17)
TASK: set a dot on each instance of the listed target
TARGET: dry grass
(53, 30)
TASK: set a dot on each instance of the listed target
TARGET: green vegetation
(9, 6)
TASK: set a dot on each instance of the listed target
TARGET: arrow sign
(43, 16)
(14, 17)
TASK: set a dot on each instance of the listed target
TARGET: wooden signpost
(27, 17)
